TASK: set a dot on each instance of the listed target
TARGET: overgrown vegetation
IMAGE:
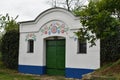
(110, 49)
(101, 20)
(9, 49)
(8, 23)
(110, 71)
(9, 42)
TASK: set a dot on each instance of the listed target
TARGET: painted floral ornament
(54, 28)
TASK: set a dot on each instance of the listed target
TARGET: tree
(100, 20)
(9, 43)
(10, 48)
(68, 4)
(8, 23)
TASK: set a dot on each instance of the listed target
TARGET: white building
(48, 45)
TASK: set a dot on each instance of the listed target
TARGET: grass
(8, 74)
(109, 71)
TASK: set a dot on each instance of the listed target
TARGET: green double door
(55, 57)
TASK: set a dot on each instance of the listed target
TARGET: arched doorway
(55, 55)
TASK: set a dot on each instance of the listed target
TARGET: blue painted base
(76, 73)
(39, 70)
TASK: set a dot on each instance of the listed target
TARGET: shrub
(10, 48)
(110, 49)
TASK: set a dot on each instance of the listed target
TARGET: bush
(0, 56)
(10, 48)
(110, 49)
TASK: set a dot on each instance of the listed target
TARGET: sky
(26, 9)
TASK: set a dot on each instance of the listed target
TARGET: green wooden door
(55, 57)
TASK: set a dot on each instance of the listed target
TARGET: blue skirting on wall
(76, 73)
(39, 70)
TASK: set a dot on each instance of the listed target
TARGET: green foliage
(101, 20)
(9, 42)
(0, 56)
(110, 49)
(98, 20)
(9, 49)
(8, 23)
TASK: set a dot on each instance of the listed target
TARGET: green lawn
(7, 74)
(13, 75)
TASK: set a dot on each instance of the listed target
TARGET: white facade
(39, 31)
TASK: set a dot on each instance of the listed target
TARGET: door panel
(50, 53)
(60, 57)
(55, 57)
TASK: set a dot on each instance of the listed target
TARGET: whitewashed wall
(90, 60)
